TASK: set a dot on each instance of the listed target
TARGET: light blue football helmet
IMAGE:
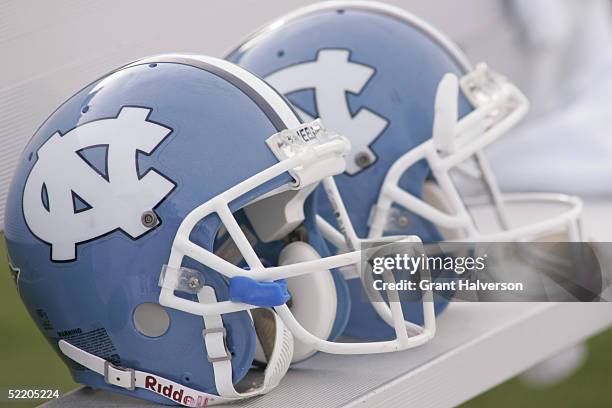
(151, 224)
(418, 116)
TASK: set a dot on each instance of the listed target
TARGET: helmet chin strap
(214, 334)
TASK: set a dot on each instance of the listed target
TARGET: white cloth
(565, 143)
(566, 46)
(568, 150)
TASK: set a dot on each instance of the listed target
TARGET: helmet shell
(371, 72)
(213, 129)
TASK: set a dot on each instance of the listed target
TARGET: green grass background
(26, 361)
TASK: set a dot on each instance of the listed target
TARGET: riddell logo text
(175, 393)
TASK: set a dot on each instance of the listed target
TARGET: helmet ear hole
(151, 320)
(314, 300)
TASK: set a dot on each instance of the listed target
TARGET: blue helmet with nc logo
(152, 222)
(418, 116)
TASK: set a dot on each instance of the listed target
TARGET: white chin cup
(314, 300)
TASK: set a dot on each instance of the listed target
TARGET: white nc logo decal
(331, 76)
(112, 198)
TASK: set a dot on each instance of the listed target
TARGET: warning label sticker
(96, 342)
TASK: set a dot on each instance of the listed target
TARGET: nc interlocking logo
(69, 200)
(331, 76)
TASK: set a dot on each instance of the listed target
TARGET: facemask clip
(483, 86)
(188, 280)
(326, 148)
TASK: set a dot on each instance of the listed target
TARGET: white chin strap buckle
(119, 376)
(224, 355)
